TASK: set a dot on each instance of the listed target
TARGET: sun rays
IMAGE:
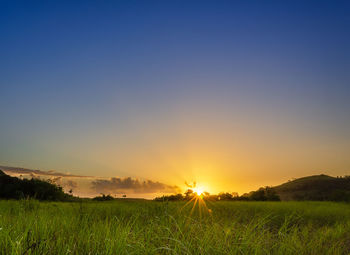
(195, 194)
(197, 205)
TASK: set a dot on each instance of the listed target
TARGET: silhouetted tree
(177, 197)
(103, 197)
(189, 194)
(263, 194)
(15, 188)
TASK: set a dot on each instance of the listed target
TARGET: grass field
(148, 227)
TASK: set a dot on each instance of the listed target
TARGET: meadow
(149, 227)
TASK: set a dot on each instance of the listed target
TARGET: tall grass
(147, 227)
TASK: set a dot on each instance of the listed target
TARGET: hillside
(316, 187)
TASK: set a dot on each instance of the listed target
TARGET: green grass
(148, 227)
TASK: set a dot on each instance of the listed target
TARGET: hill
(317, 187)
(15, 188)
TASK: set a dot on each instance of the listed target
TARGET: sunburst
(197, 200)
(198, 191)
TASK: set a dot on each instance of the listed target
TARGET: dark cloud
(126, 185)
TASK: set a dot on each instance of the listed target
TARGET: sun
(198, 190)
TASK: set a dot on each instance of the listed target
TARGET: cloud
(31, 172)
(127, 185)
(191, 185)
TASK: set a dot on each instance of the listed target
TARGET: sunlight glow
(198, 190)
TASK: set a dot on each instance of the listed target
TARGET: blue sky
(177, 90)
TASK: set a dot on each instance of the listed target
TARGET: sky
(231, 94)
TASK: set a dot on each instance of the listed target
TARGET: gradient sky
(232, 94)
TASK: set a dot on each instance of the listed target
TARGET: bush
(103, 197)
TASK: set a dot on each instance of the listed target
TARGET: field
(148, 227)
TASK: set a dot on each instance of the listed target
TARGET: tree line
(262, 194)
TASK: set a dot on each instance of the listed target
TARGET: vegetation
(192, 224)
(15, 188)
(262, 194)
(148, 227)
(103, 197)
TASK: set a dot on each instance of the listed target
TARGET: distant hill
(15, 188)
(317, 187)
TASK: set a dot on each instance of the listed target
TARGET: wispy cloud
(32, 172)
